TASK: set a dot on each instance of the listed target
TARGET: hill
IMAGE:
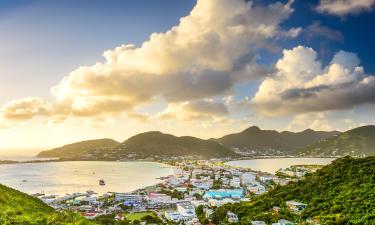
(155, 143)
(358, 142)
(19, 208)
(84, 149)
(255, 141)
(340, 193)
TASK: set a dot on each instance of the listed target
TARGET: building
(296, 206)
(258, 223)
(158, 199)
(235, 182)
(187, 210)
(129, 199)
(248, 178)
(232, 218)
(224, 193)
(173, 216)
(283, 222)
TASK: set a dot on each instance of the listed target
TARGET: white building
(283, 222)
(124, 197)
(173, 216)
(232, 218)
(158, 199)
(247, 178)
(187, 210)
(296, 206)
(258, 223)
(235, 182)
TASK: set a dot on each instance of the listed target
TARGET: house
(187, 210)
(208, 212)
(247, 178)
(283, 222)
(129, 199)
(296, 206)
(232, 218)
(235, 182)
(173, 216)
(258, 223)
(158, 199)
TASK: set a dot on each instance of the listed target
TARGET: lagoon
(274, 164)
(79, 176)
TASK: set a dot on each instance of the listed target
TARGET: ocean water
(79, 176)
(272, 165)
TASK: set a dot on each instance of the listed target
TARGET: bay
(79, 176)
(274, 164)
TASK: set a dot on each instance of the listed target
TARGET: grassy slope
(357, 142)
(340, 193)
(19, 208)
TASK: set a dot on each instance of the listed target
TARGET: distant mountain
(82, 149)
(356, 142)
(145, 145)
(157, 144)
(255, 141)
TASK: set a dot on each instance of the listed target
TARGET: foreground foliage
(340, 193)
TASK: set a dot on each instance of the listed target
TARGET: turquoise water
(68, 177)
(224, 193)
(272, 165)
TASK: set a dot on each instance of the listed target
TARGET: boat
(101, 182)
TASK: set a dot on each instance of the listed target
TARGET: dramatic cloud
(206, 109)
(345, 7)
(301, 85)
(26, 108)
(315, 121)
(211, 50)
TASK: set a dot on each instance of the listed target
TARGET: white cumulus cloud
(205, 55)
(345, 7)
(301, 84)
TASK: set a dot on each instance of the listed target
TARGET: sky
(86, 69)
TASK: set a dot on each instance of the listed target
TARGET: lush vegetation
(357, 142)
(340, 193)
(155, 143)
(80, 149)
(259, 140)
(19, 208)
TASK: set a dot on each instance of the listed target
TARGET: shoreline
(224, 160)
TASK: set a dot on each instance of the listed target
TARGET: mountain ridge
(256, 141)
(358, 142)
(252, 141)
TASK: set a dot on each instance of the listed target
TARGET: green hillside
(270, 142)
(19, 208)
(357, 142)
(155, 143)
(81, 149)
(340, 193)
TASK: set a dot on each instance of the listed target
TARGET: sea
(274, 164)
(60, 178)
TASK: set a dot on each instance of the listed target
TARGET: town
(189, 196)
